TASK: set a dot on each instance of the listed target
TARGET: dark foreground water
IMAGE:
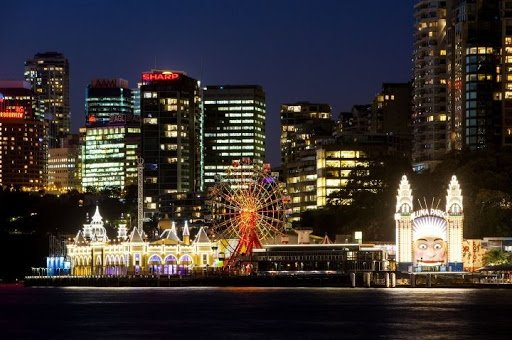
(254, 313)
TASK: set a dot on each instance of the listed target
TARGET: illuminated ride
(249, 207)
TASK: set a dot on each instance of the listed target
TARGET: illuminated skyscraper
(111, 138)
(234, 127)
(303, 125)
(106, 98)
(109, 153)
(21, 138)
(48, 73)
(480, 84)
(171, 113)
(429, 118)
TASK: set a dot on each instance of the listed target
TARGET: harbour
(253, 312)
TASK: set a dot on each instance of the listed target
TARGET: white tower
(403, 222)
(186, 234)
(455, 221)
(98, 232)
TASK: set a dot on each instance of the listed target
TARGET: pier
(369, 279)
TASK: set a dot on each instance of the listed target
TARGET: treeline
(28, 219)
(485, 179)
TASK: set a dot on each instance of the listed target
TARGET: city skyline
(331, 52)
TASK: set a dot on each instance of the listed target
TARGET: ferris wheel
(248, 207)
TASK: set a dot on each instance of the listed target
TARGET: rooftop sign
(165, 76)
(14, 112)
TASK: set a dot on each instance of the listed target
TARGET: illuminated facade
(109, 153)
(429, 239)
(63, 166)
(334, 164)
(48, 73)
(172, 146)
(92, 252)
(21, 138)
(106, 98)
(234, 127)
(480, 83)
(429, 117)
(111, 137)
(303, 125)
(462, 77)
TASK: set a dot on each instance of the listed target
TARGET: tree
(496, 257)
(366, 203)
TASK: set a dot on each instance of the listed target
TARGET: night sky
(331, 51)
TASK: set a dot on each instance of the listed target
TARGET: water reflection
(250, 312)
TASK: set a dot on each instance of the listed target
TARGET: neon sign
(429, 212)
(15, 112)
(160, 76)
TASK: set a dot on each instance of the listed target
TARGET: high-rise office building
(109, 153)
(429, 117)
(21, 138)
(172, 122)
(303, 126)
(106, 98)
(110, 141)
(63, 166)
(234, 127)
(48, 73)
(136, 100)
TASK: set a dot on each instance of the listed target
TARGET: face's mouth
(431, 261)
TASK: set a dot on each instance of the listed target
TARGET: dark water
(254, 313)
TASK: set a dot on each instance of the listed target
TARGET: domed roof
(164, 223)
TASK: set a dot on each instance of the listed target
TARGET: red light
(13, 112)
(92, 119)
(160, 76)
(12, 115)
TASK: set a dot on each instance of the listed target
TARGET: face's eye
(422, 246)
(437, 246)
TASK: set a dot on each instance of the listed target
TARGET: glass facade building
(48, 73)
(109, 154)
(172, 123)
(234, 127)
(106, 98)
(110, 140)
